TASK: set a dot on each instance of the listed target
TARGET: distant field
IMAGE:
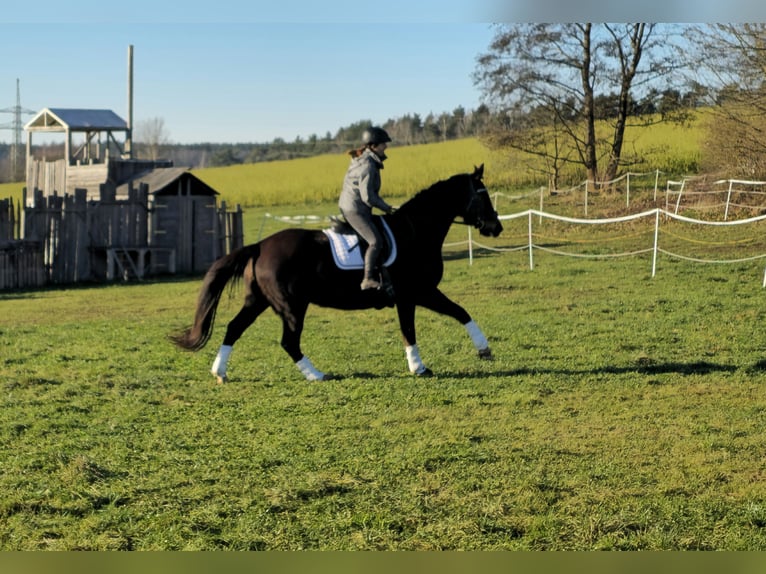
(672, 149)
(318, 179)
(12, 190)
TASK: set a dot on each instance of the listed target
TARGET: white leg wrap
(309, 371)
(413, 360)
(221, 359)
(478, 338)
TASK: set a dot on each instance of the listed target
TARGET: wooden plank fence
(21, 262)
(65, 240)
(10, 220)
(21, 265)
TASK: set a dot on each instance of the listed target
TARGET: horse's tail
(222, 271)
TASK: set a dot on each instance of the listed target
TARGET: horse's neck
(427, 228)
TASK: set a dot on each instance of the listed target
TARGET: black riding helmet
(374, 136)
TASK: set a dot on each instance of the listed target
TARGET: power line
(17, 127)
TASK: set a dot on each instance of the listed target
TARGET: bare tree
(152, 137)
(731, 58)
(545, 78)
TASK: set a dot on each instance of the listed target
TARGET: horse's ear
(478, 172)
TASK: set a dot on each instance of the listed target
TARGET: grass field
(621, 412)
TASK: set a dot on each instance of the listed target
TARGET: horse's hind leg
(406, 312)
(253, 307)
(293, 315)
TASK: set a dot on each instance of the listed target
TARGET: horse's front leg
(406, 313)
(437, 301)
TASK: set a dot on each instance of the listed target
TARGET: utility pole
(17, 127)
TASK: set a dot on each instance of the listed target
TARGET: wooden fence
(21, 262)
(69, 239)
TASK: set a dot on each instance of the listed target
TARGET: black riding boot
(370, 281)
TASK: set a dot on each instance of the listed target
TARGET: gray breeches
(363, 225)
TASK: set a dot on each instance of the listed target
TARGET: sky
(250, 72)
(244, 82)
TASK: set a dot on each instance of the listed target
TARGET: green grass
(621, 412)
(12, 190)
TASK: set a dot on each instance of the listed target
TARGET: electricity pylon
(17, 128)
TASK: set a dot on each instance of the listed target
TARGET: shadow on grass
(692, 368)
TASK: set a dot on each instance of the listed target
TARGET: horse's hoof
(426, 372)
(221, 379)
(486, 354)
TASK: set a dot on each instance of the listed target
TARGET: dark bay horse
(293, 268)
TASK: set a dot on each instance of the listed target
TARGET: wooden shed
(183, 216)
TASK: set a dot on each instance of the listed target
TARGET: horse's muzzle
(490, 228)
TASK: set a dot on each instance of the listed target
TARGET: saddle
(348, 247)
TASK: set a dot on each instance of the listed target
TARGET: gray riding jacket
(361, 186)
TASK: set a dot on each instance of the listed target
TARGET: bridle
(471, 210)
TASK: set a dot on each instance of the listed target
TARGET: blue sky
(230, 82)
(230, 71)
(236, 74)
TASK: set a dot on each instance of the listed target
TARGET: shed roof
(76, 120)
(160, 180)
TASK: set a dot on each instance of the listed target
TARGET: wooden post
(82, 237)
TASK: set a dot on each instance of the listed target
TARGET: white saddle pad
(346, 252)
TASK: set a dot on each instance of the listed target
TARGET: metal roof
(159, 180)
(76, 120)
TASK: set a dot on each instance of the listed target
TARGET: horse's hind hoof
(486, 354)
(221, 379)
(424, 373)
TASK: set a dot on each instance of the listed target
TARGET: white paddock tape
(530, 246)
(655, 249)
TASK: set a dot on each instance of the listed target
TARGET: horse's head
(479, 211)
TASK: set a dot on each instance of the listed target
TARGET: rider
(361, 192)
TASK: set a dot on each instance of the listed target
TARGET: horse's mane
(424, 196)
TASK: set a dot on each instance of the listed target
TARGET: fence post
(529, 234)
(263, 223)
(221, 231)
(586, 198)
(728, 199)
(470, 246)
(239, 233)
(656, 240)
